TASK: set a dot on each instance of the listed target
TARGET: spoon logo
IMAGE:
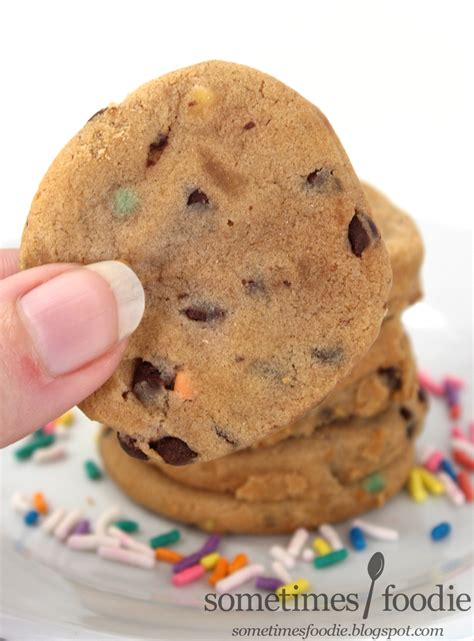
(374, 568)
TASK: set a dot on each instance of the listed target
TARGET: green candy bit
(25, 451)
(330, 559)
(165, 539)
(374, 483)
(39, 432)
(93, 471)
(125, 201)
(127, 526)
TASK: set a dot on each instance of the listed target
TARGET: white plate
(51, 592)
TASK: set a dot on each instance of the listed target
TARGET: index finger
(9, 262)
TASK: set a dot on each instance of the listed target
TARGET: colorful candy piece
(330, 559)
(429, 384)
(25, 451)
(431, 483)
(31, 517)
(20, 502)
(281, 572)
(431, 459)
(183, 386)
(451, 393)
(67, 524)
(128, 557)
(446, 466)
(211, 544)
(297, 542)
(455, 411)
(167, 555)
(463, 459)
(129, 542)
(127, 526)
(440, 531)
(331, 536)
(321, 546)
(471, 431)
(280, 554)
(220, 571)
(54, 519)
(66, 419)
(374, 483)
(415, 486)
(83, 527)
(465, 485)
(307, 555)
(49, 454)
(209, 561)
(88, 542)
(376, 531)
(49, 428)
(457, 433)
(463, 445)
(188, 561)
(357, 538)
(294, 587)
(238, 562)
(454, 381)
(93, 471)
(39, 503)
(188, 575)
(107, 517)
(268, 583)
(168, 538)
(238, 578)
(452, 490)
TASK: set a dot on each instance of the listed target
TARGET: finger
(63, 330)
(9, 263)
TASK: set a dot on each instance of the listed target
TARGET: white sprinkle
(463, 445)
(239, 577)
(126, 556)
(67, 524)
(91, 541)
(331, 536)
(280, 554)
(281, 572)
(377, 531)
(452, 490)
(48, 454)
(62, 432)
(307, 555)
(297, 542)
(20, 502)
(53, 520)
(105, 519)
(129, 542)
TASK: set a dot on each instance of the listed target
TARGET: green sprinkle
(39, 432)
(374, 483)
(127, 526)
(125, 201)
(330, 559)
(165, 539)
(93, 471)
(25, 451)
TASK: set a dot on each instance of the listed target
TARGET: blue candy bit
(440, 531)
(357, 538)
(447, 466)
(31, 517)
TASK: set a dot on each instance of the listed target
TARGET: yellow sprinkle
(431, 483)
(209, 561)
(65, 419)
(415, 486)
(321, 546)
(295, 587)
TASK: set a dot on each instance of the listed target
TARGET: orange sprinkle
(39, 503)
(238, 562)
(465, 485)
(220, 571)
(167, 555)
(463, 459)
(183, 387)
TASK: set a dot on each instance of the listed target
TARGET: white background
(391, 76)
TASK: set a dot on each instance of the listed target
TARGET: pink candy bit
(129, 542)
(67, 524)
(471, 431)
(452, 490)
(429, 384)
(431, 459)
(297, 542)
(282, 555)
(188, 575)
(126, 556)
(463, 445)
(238, 578)
(49, 427)
(457, 432)
(88, 542)
(49, 454)
(454, 381)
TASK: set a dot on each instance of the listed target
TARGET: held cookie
(265, 277)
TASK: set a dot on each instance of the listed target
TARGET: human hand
(63, 331)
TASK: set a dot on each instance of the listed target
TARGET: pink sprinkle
(49, 427)
(432, 460)
(429, 384)
(471, 431)
(188, 575)
(452, 490)
(454, 381)
(457, 432)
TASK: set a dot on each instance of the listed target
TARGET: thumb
(63, 331)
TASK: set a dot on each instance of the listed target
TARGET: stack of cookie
(350, 453)
(270, 384)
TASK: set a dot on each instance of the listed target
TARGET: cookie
(405, 247)
(265, 277)
(385, 375)
(331, 501)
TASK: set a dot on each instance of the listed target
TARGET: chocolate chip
(410, 430)
(328, 354)
(254, 287)
(230, 223)
(422, 395)
(197, 197)
(249, 125)
(406, 413)
(224, 435)
(148, 380)
(286, 283)
(362, 231)
(155, 149)
(391, 377)
(129, 445)
(203, 313)
(173, 450)
(98, 113)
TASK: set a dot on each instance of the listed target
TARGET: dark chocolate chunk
(391, 377)
(362, 232)
(98, 113)
(406, 413)
(286, 283)
(129, 445)
(203, 313)
(197, 197)
(249, 125)
(254, 286)
(224, 435)
(155, 149)
(173, 450)
(329, 355)
(422, 395)
(148, 380)
(230, 223)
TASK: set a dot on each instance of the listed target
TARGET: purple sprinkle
(188, 561)
(451, 393)
(268, 583)
(211, 544)
(83, 527)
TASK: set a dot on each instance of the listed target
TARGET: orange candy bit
(463, 459)
(238, 562)
(455, 411)
(167, 555)
(220, 571)
(183, 387)
(39, 503)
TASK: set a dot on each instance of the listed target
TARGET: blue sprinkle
(440, 531)
(31, 517)
(447, 466)
(357, 538)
